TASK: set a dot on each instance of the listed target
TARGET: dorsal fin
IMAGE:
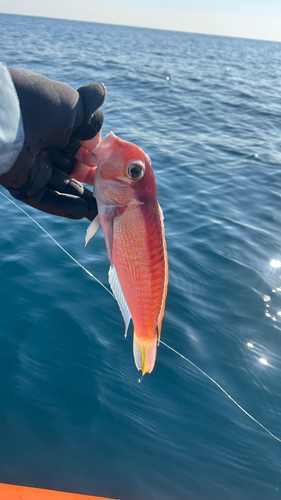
(102, 152)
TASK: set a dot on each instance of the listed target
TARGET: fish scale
(141, 278)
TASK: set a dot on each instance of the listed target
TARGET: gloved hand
(55, 118)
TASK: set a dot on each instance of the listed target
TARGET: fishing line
(223, 390)
(63, 249)
(161, 341)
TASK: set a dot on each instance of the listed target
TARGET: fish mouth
(115, 185)
(126, 181)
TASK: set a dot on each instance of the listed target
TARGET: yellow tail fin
(145, 353)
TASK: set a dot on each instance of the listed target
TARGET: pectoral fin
(118, 294)
(92, 229)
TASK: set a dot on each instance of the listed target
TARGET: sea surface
(73, 415)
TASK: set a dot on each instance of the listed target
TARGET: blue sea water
(73, 415)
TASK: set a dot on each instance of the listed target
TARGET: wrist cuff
(11, 124)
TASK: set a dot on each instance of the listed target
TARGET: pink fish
(132, 223)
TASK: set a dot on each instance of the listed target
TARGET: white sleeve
(11, 124)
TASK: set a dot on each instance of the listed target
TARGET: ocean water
(73, 415)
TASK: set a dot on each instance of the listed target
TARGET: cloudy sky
(260, 19)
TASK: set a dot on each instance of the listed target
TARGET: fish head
(124, 173)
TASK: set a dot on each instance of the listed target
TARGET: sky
(259, 19)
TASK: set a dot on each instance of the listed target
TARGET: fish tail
(145, 353)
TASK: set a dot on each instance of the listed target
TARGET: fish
(132, 222)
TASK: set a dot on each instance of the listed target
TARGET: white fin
(161, 212)
(145, 353)
(102, 152)
(92, 229)
(118, 294)
(137, 353)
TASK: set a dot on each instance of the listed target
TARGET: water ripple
(74, 417)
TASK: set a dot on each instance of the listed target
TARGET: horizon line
(140, 27)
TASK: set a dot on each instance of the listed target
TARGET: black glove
(55, 118)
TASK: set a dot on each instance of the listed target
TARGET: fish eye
(135, 170)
